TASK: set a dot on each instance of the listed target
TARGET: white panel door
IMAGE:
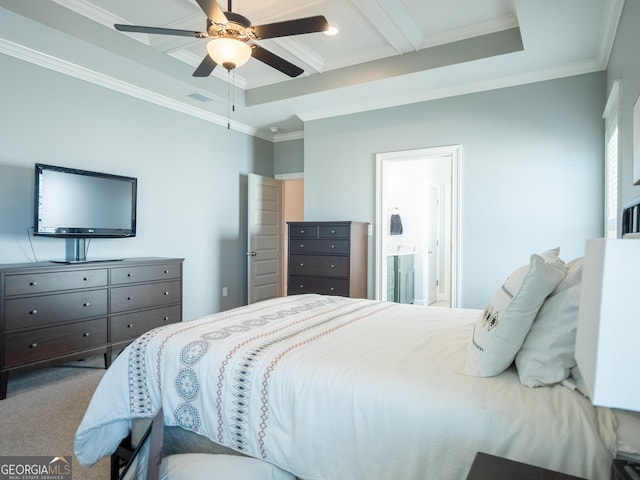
(264, 240)
(432, 244)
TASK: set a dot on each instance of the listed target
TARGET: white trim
(611, 127)
(82, 73)
(285, 137)
(453, 151)
(289, 176)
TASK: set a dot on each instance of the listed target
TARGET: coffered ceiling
(387, 52)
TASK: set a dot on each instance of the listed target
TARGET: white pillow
(547, 355)
(201, 466)
(573, 276)
(500, 332)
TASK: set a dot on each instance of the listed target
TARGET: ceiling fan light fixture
(229, 52)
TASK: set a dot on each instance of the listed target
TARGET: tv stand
(76, 250)
(51, 313)
(93, 260)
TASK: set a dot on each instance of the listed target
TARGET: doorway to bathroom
(417, 235)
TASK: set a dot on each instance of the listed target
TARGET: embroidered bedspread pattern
(326, 387)
(214, 375)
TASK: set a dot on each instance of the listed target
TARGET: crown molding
(71, 69)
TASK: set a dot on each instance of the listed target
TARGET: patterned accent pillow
(502, 328)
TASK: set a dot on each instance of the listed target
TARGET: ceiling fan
(230, 34)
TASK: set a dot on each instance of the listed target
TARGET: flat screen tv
(72, 203)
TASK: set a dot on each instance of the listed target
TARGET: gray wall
(624, 65)
(288, 157)
(192, 177)
(531, 172)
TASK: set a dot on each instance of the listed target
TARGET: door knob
(251, 254)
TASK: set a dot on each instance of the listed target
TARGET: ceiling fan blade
(213, 11)
(291, 27)
(159, 31)
(206, 67)
(275, 61)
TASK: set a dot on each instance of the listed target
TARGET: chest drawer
(131, 325)
(334, 231)
(48, 342)
(323, 286)
(135, 297)
(144, 273)
(43, 310)
(322, 265)
(330, 247)
(22, 284)
(303, 231)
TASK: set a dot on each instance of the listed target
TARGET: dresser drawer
(43, 310)
(145, 273)
(322, 265)
(323, 286)
(134, 297)
(131, 325)
(331, 247)
(21, 284)
(334, 231)
(45, 343)
(303, 231)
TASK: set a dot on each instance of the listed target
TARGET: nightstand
(490, 467)
(625, 470)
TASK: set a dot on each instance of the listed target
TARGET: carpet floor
(43, 409)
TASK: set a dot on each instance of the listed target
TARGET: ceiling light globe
(229, 52)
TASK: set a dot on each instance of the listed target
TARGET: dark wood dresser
(328, 258)
(53, 312)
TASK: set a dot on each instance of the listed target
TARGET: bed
(334, 388)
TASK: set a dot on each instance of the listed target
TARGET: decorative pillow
(201, 466)
(573, 276)
(547, 354)
(500, 332)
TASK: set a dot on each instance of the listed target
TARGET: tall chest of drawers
(56, 312)
(328, 258)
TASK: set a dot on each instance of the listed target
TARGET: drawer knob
(129, 274)
(302, 245)
(166, 319)
(333, 266)
(301, 231)
(33, 312)
(33, 345)
(332, 289)
(85, 334)
(33, 284)
(130, 325)
(166, 293)
(129, 298)
(166, 271)
(301, 264)
(333, 246)
(86, 304)
(85, 279)
(333, 231)
(301, 286)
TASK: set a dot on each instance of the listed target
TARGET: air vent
(200, 97)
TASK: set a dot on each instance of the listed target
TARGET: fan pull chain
(233, 92)
(228, 100)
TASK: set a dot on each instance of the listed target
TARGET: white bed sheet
(336, 388)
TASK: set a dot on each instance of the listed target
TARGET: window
(611, 163)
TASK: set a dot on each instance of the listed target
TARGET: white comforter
(339, 388)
